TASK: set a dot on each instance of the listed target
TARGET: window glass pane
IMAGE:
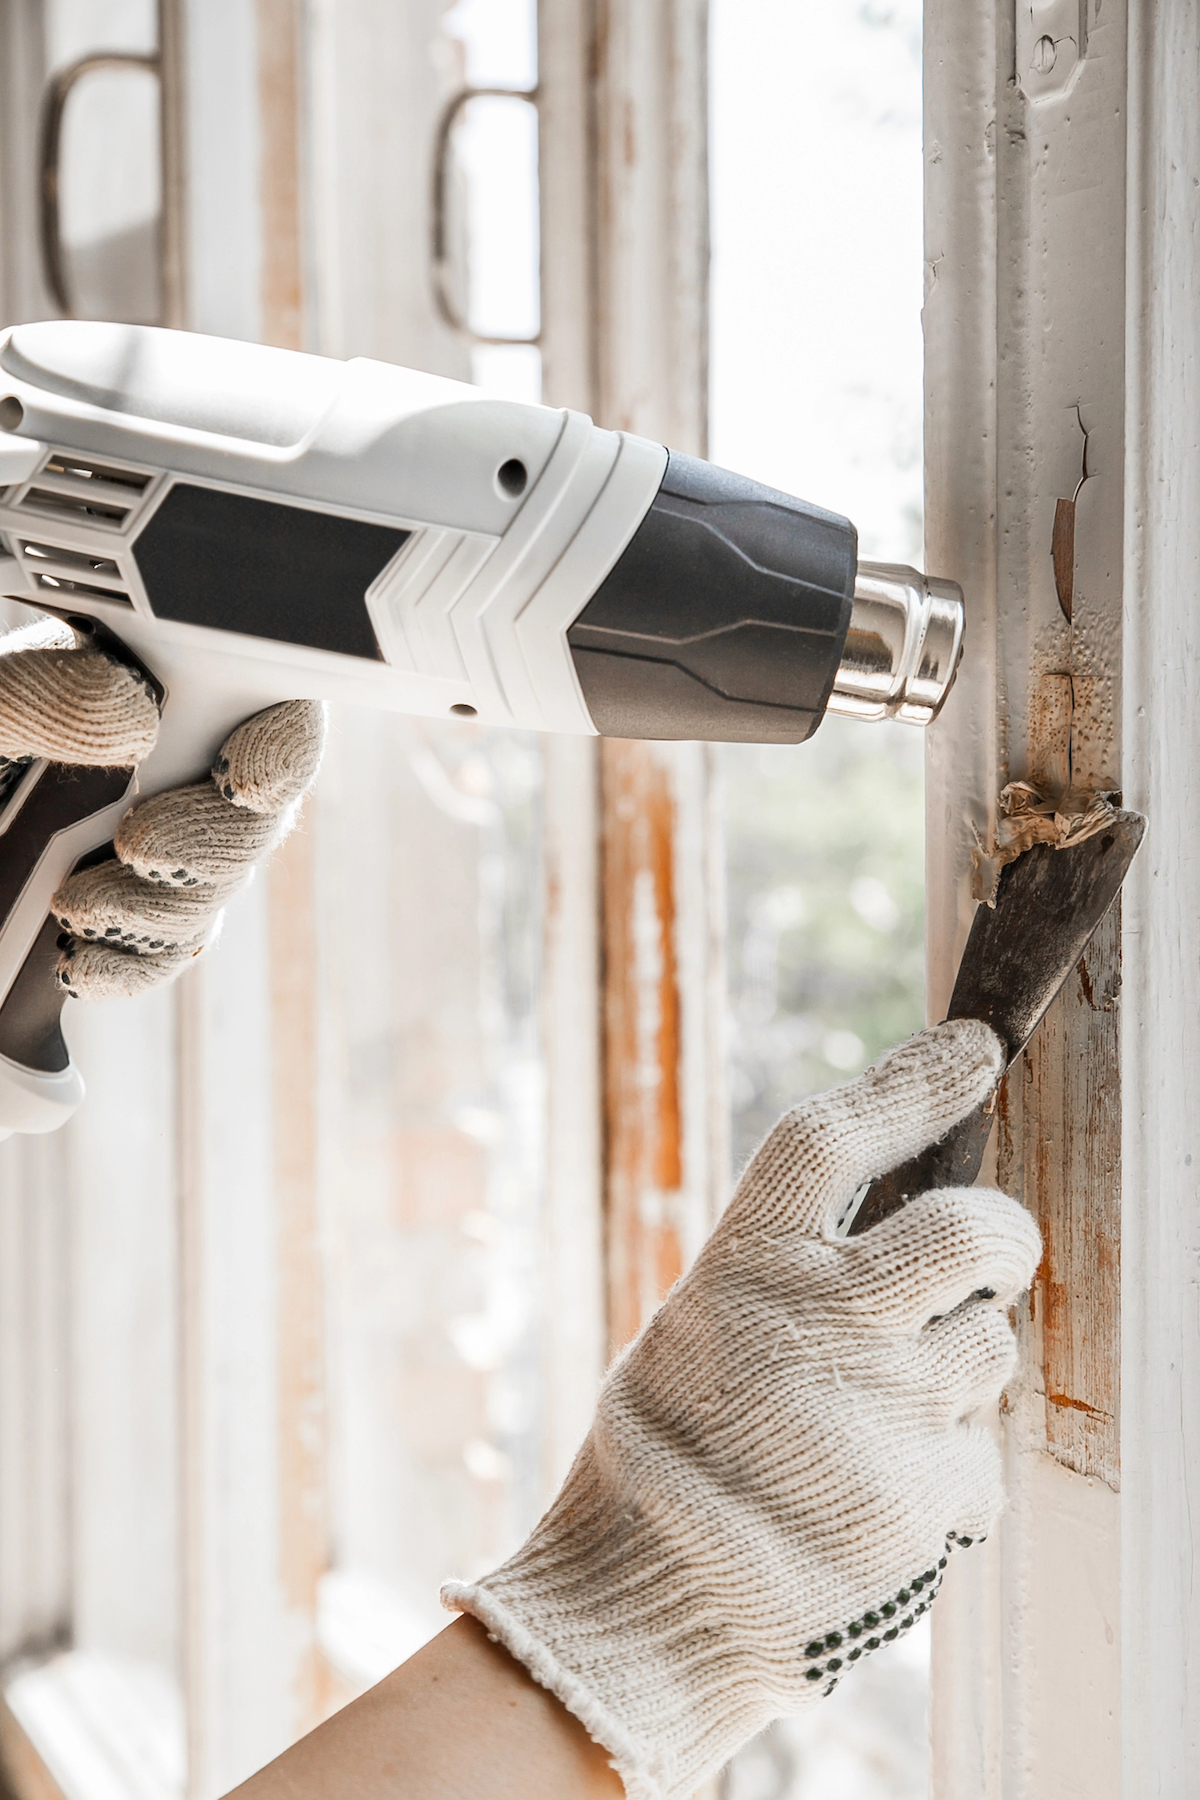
(109, 184)
(499, 41)
(817, 389)
(495, 184)
(429, 857)
(110, 173)
(430, 852)
(492, 191)
(78, 27)
(826, 912)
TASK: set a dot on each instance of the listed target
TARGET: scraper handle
(955, 1162)
(1019, 954)
(56, 819)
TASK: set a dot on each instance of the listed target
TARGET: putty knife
(1018, 956)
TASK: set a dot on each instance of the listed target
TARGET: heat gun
(255, 525)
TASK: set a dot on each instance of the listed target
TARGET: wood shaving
(1028, 817)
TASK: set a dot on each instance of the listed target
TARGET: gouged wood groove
(643, 1119)
(1062, 552)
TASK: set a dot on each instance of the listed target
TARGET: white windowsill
(106, 1727)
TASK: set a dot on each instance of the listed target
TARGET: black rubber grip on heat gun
(724, 618)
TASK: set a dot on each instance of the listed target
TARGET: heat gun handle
(955, 1162)
(57, 819)
(54, 819)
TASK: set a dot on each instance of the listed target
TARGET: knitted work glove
(182, 854)
(138, 920)
(782, 1462)
(75, 706)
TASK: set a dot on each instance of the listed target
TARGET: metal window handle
(58, 92)
(439, 250)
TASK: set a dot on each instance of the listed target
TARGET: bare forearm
(459, 1721)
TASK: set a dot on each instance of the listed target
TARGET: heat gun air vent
(65, 572)
(92, 493)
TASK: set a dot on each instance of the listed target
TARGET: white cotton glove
(782, 1461)
(137, 919)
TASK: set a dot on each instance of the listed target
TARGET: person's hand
(783, 1461)
(139, 918)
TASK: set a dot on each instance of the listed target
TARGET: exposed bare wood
(1025, 335)
(1069, 1087)
(625, 286)
(642, 1045)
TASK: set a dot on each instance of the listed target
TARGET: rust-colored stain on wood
(1059, 1143)
(643, 1128)
(1063, 1155)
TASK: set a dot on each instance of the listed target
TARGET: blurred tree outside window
(826, 903)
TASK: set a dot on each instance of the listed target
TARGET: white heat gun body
(255, 525)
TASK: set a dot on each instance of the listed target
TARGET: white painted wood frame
(624, 133)
(1160, 1045)
(1063, 164)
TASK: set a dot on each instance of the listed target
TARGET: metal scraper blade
(1018, 956)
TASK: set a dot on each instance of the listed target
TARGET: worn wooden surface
(625, 293)
(649, 96)
(666, 1154)
(1059, 1145)
(1061, 306)
(1026, 335)
(642, 1108)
